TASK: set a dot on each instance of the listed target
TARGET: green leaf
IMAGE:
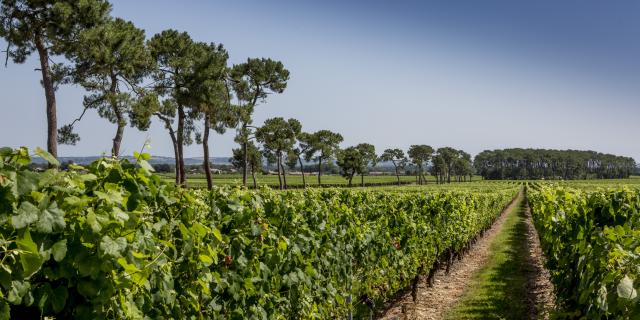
(46, 156)
(18, 290)
(51, 219)
(59, 250)
(29, 257)
(110, 197)
(146, 166)
(199, 229)
(76, 202)
(88, 177)
(26, 181)
(94, 221)
(207, 260)
(112, 247)
(138, 276)
(120, 215)
(5, 310)
(282, 245)
(27, 214)
(59, 298)
(625, 289)
(88, 288)
(5, 151)
(601, 300)
(217, 234)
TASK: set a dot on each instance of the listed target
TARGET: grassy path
(500, 290)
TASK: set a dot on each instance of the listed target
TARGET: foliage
(323, 145)
(177, 59)
(397, 158)
(113, 241)
(591, 241)
(552, 164)
(420, 155)
(355, 160)
(253, 156)
(252, 81)
(55, 23)
(50, 28)
(278, 136)
(350, 162)
(448, 162)
(111, 61)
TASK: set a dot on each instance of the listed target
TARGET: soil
(541, 299)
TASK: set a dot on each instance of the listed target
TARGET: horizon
(501, 75)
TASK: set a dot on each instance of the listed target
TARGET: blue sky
(467, 74)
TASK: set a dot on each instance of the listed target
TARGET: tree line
(552, 164)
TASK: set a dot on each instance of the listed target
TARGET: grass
(498, 290)
(199, 180)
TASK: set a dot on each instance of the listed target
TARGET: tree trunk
(319, 171)
(117, 140)
(284, 175)
(397, 173)
(304, 182)
(278, 165)
(175, 153)
(253, 175)
(205, 147)
(181, 116)
(50, 96)
(362, 180)
(174, 141)
(245, 151)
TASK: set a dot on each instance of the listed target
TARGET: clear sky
(467, 74)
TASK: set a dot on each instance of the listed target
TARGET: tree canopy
(111, 62)
(278, 137)
(355, 160)
(50, 28)
(252, 81)
(323, 145)
(420, 155)
(397, 158)
(551, 164)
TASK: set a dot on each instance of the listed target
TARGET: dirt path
(433, 302)
(541, 299)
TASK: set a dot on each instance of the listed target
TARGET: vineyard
(329, 160)
(115, 241)
(591, 237)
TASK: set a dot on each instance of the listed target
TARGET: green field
(199, 180)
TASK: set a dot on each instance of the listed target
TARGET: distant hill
(153, 160)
